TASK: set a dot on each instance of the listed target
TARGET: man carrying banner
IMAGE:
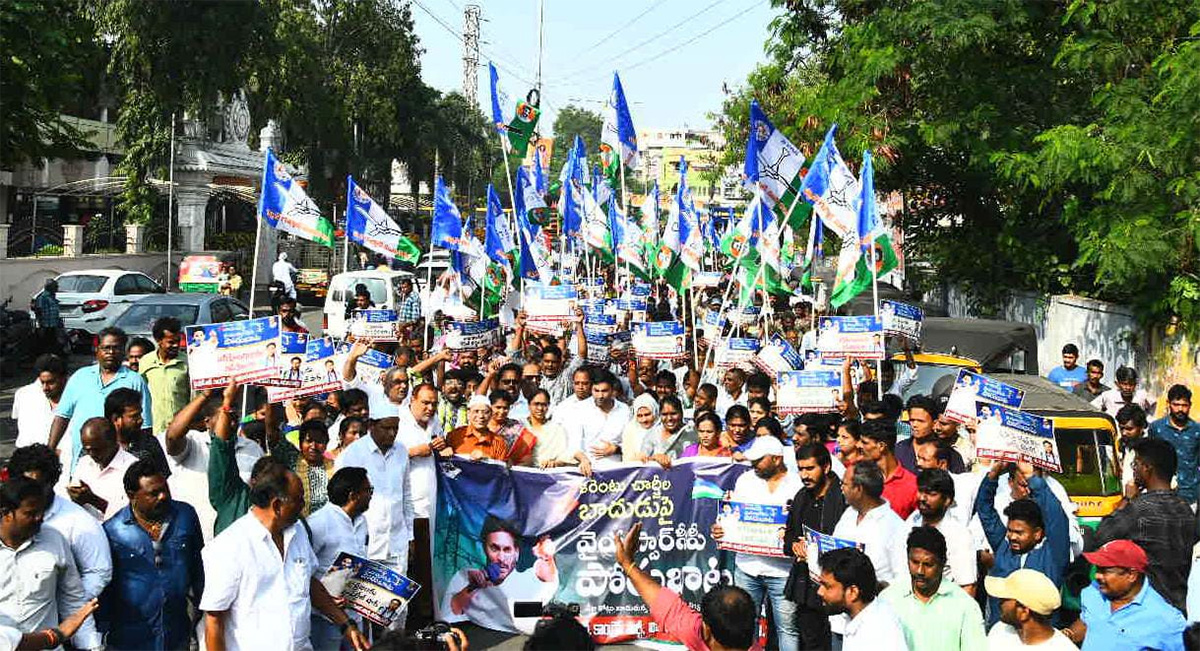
(763, 577)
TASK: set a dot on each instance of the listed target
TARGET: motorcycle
(17, 332)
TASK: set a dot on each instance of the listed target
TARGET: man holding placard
(765, 576)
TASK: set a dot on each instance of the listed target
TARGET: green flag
(849, 285)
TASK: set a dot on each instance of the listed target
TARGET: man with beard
(922, 414)
(1027, 603)
(568, 412)
(849, 590)
(452, 405)
(762, 576)
(818, 506)
(935, 495)
(936, 615)
(157, 569)
(1036, 534)
(33, 404)
(1183, 434)
(123, 408)
(486, 595)
(89, 386)
(1157, 519)
(261, 575)
(166, 372)
(289, 316)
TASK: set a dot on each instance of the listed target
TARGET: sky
(674, 56)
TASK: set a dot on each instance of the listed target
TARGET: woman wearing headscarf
(644, 424)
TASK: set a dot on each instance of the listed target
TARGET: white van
(383, 284)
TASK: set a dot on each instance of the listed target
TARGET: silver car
(190, 309)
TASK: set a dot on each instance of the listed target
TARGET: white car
(383, 284)
(89, 299)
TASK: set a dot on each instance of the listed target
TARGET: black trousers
(813, 624)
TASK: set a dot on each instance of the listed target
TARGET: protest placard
(711, 329)
(375, 325)
(901, 319)
(752, 528)
(370, 366)
(850, 336)
(595, 306)
(635, 307)
(292, 346)
(640, 290)
(247, 351)
(1013, 435)
(747, 316)
(817, 543)
(469, 335)
(706, 279)
(735, 351)
(778, 355)
(320, 372)
(550, 303)
(808, 391)
(659, 340)
(606, 323)
(370, 588)
(970, 388)
(620, 343)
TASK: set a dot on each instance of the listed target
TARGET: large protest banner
(371, 589)
(560, 526)
(851, 336)
(547, 307)
(971, 388)
(1014, 435)
(247, 351)
(320, 372)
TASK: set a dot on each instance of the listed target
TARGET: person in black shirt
(817, 506)
(123, 408)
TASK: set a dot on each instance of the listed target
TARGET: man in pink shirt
(727, 619)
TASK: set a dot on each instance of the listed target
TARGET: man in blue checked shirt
(409, 307)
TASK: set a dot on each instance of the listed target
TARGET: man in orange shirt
(474, 439)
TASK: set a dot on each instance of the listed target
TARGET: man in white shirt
(98, 484)
(935, 494)
(601, 422)
(732, 390)
(849, 589)
(339, 527)
(422, 435)
(870, 522)
(764, 577)
(384, 398)
(86, 537)
(38, 577)
(1125, 393)
(261, 576)
(187, 442)
(1028, 600)
(33, 404)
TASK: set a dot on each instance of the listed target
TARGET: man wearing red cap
(1120, 610)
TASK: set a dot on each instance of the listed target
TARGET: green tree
(170, 58)
(956, 98)
(574, 121)
(49, 45)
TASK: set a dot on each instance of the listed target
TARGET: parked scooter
(17, 333)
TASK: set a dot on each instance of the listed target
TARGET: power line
(691, 40)
(649, 40)
(613, 33)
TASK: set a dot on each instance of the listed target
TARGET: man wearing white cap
(1028, 600)
(764, 577)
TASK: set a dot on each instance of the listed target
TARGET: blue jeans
(324, 636)
(782, 610)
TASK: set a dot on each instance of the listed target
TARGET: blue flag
(832, 189)
(572, 177)
(497, 114)
(618, 139)
(868, 216)
(285, 206)
(447, 229)
(539, 172)
(616, 225)
(499, 240)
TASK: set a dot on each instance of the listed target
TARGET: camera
(430, 638)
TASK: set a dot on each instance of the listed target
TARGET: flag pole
(625, 207)
(875, 302)
(345, 239)
(428, 275)
(253, 288)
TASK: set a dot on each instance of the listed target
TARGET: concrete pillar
(190, 206)
(135, 239)
(3, 241)
(73, 240)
